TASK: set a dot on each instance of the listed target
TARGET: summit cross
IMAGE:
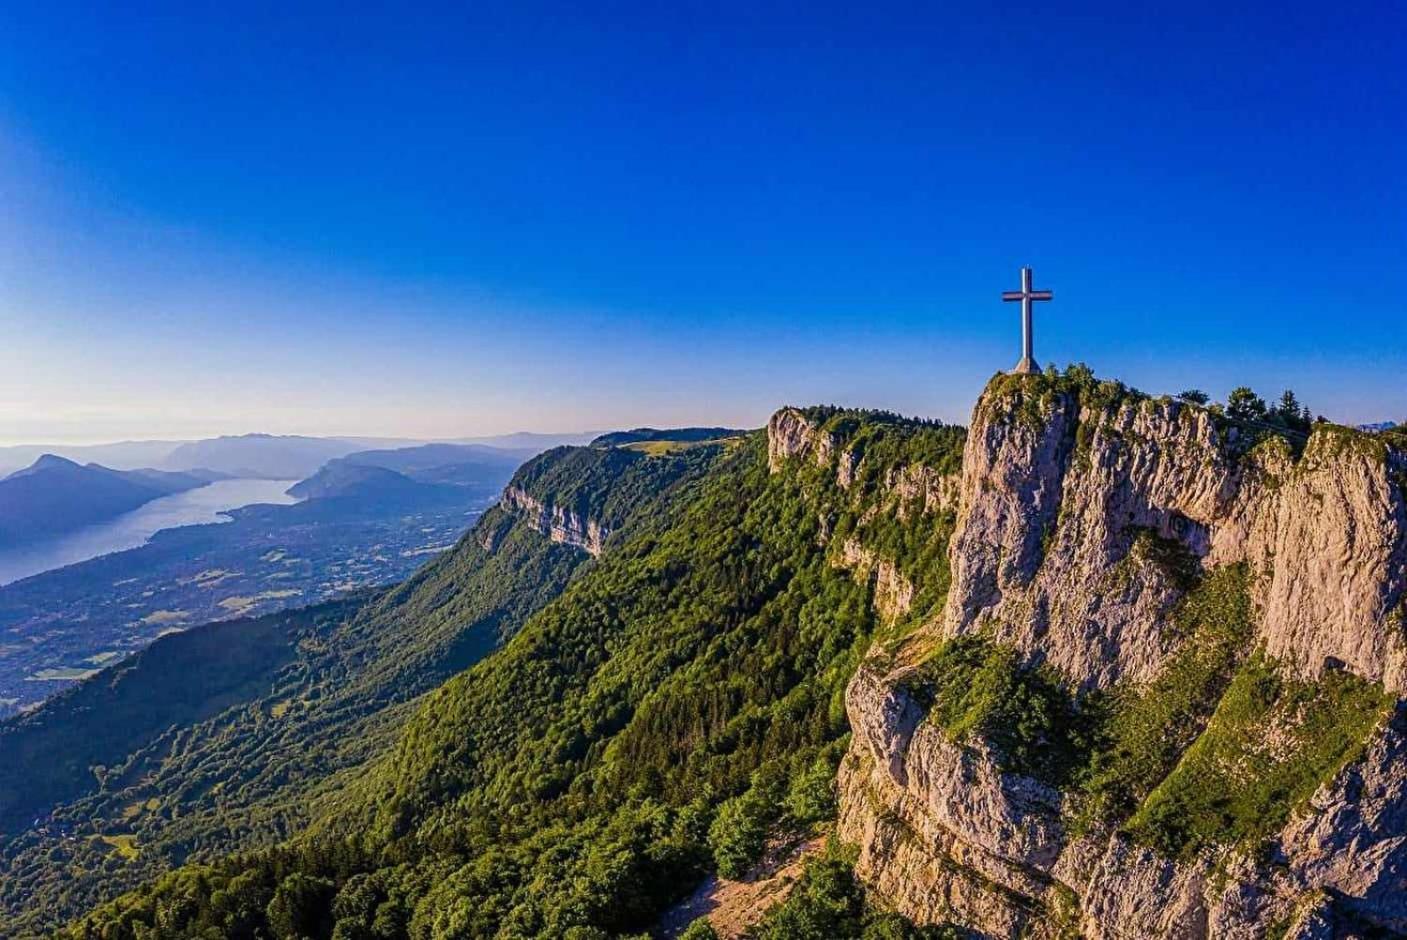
(1027, 296)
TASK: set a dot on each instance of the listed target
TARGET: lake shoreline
(211, 504)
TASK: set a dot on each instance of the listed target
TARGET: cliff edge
(1164, 696)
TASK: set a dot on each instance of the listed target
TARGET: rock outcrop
(1054, 504)
(1084, 517)
(790, 434)
(555, 522)
(893, 593)
(909, 493)
(1334, 544)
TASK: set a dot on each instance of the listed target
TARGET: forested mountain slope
(187, 678)
(235, 735)
(572, 781)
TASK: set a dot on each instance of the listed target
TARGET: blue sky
(435, 222)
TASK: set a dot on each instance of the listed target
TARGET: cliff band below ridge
(1209, 779)
(559, 524)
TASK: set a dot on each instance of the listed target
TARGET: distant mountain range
(266, 456)
(279, 457)
(531, 441)
(121, 455)
(55, 495)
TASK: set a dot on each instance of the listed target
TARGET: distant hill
(533, 442)
(272, 457)
(647, 435)
(177, 480)
(428, 474)
(428, 458)
(122, 455)
(386, 488)
(55, 495)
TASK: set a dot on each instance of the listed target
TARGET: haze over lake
(207, 504)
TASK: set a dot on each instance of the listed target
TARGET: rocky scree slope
(1165, 694)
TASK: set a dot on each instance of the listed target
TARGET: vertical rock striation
(1084, 515)
(557, 523)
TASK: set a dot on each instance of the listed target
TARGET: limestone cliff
(557, 523)
(1089, 518)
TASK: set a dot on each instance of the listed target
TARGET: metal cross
(1026, 295)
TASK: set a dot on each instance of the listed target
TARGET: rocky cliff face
(558, 524)
(1086, 514)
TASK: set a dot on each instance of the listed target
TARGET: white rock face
(923, 490)
(789, 435)
(558, 524)
(1335, 549)
(1044, 552)
(1076, 535)
(893, 593)
(1044, 549)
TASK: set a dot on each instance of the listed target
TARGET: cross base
(1026, 366)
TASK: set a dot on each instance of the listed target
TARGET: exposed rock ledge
(946, 836)
(893, 593)
(1052, 507)
(789, 435)
(558, 524)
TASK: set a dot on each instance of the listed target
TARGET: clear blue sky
(437, 221)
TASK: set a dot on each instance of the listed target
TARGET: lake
(133, 529)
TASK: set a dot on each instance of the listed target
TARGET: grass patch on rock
(975, 687)
(1272, 741)
(1144, 730)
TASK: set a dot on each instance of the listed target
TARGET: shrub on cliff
(738, 835)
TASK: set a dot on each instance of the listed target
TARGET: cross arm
(1033, 295)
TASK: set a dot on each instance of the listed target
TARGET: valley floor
(61, 626)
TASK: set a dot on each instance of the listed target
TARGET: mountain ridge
(361, 482)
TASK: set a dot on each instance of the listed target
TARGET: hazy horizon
(355, 436)
(947, 415)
